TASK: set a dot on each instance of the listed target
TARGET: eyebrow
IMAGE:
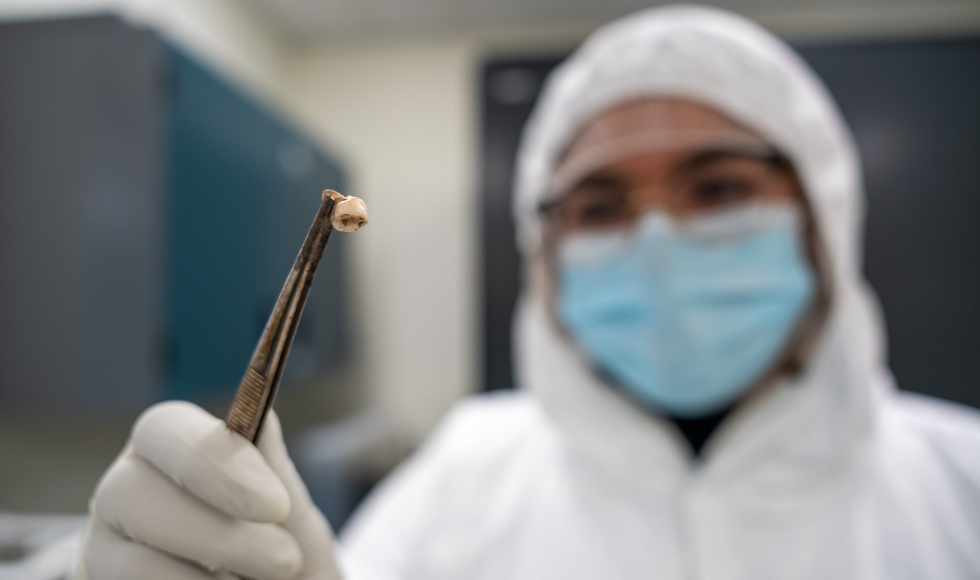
(598, 178)
(708, 157)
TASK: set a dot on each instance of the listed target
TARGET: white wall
(404, 115)
(404, 119)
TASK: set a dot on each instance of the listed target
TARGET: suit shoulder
(937, 419)
(454, 476)
(484, 425)
(949, 431)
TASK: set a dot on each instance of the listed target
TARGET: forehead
(678, 118)
(653, 166)
(661, 128)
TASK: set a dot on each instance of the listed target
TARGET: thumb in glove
(305, 521)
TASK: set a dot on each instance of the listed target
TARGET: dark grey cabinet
(149, 213)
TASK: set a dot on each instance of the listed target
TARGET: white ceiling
(322, 20)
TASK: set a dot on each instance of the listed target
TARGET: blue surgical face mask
(686, 317)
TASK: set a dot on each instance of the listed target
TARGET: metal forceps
(264, 372)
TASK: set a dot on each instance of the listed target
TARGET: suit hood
(814, 421)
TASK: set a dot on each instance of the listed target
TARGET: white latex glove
(189, 499)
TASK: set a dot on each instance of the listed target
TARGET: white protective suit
(834, 475)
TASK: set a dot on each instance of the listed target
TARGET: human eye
(720, 190)
(595, 206)
(599, 211)
(722, 183)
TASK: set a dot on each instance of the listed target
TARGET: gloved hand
(189, 499)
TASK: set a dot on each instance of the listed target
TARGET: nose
(649, 197)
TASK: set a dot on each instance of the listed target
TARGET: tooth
(349, 213)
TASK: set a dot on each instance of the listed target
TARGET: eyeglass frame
(550, 208)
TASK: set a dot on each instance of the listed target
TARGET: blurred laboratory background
(161, 160)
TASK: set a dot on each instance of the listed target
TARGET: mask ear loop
(544, 273)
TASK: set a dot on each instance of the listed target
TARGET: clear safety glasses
(701, 183)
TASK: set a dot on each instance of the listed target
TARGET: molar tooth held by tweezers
(350, 213)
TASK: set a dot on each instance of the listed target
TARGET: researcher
(703, 391)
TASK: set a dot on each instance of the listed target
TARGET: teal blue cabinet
(243, 189)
